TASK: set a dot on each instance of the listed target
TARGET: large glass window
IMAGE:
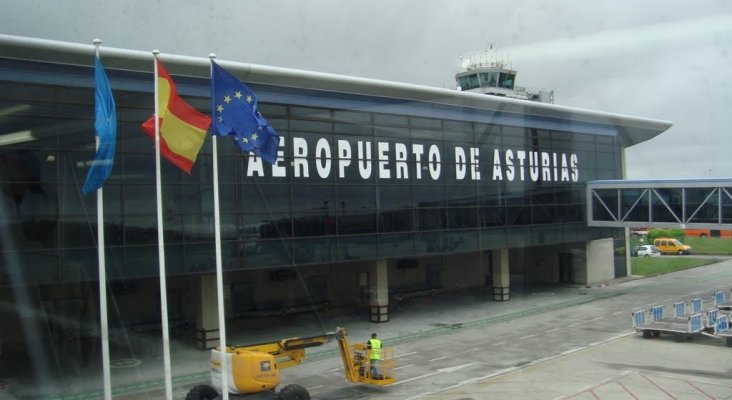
(355, 197)
(488, 79)
(394, 196)
(506, 80)
(395, 221)
(344, 173)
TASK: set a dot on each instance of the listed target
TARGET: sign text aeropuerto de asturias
(393, 160)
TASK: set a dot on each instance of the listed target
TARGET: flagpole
(219, 268)
(107, 376)
(161, 244)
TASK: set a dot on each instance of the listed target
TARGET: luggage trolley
(718, 326)
(710, 320)
(653, 322)
(721, 303)
(722, 329)
(697, 305)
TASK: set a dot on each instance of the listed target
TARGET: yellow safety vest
(375, 349)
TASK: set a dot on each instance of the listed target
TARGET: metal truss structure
(677, 203)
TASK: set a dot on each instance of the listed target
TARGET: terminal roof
(634, 129)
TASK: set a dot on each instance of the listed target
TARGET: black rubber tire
(293, 392)
(646, 334)
(202, 392)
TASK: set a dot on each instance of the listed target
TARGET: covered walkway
(668, 203)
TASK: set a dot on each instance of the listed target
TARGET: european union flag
(105, 125)
(234, 112)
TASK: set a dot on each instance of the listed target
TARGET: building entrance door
(242, 298)
(318, 289)
(565, 268)
(432, 276)
(488, 269)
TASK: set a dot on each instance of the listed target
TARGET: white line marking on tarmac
(461, 383)
(403, 366)
(665, 300)
(574, 324)
(547, 358)
(619, 312)
(497, 373)
(506, 370)
(315, 387)
(498, 344)
(465, 382)
(419, 395)
(333, 370)
(438, 358)
(526, 337)
(405, 354)
(552, 330)
(595, 319)
(439, 371)
(570, 351)
(471, 350)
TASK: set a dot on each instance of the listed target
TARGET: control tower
(485, 72)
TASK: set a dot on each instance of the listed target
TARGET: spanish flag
(182, 128)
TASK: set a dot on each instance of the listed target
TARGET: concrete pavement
(546, 343)
(626, 368)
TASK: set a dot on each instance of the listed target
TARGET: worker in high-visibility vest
(374, 345)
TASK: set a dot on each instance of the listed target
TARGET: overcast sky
(661, 59)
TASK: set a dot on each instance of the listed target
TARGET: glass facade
(350, 184)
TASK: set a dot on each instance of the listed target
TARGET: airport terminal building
(381, 190)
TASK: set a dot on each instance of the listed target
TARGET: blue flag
(234, 112)
(106, 128)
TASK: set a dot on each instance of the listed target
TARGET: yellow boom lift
(254, 370)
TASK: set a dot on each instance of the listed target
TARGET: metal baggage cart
(653, 322)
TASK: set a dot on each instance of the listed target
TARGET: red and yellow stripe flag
(182, 128)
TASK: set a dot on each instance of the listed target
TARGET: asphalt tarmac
(625, 368)
(570, 342)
